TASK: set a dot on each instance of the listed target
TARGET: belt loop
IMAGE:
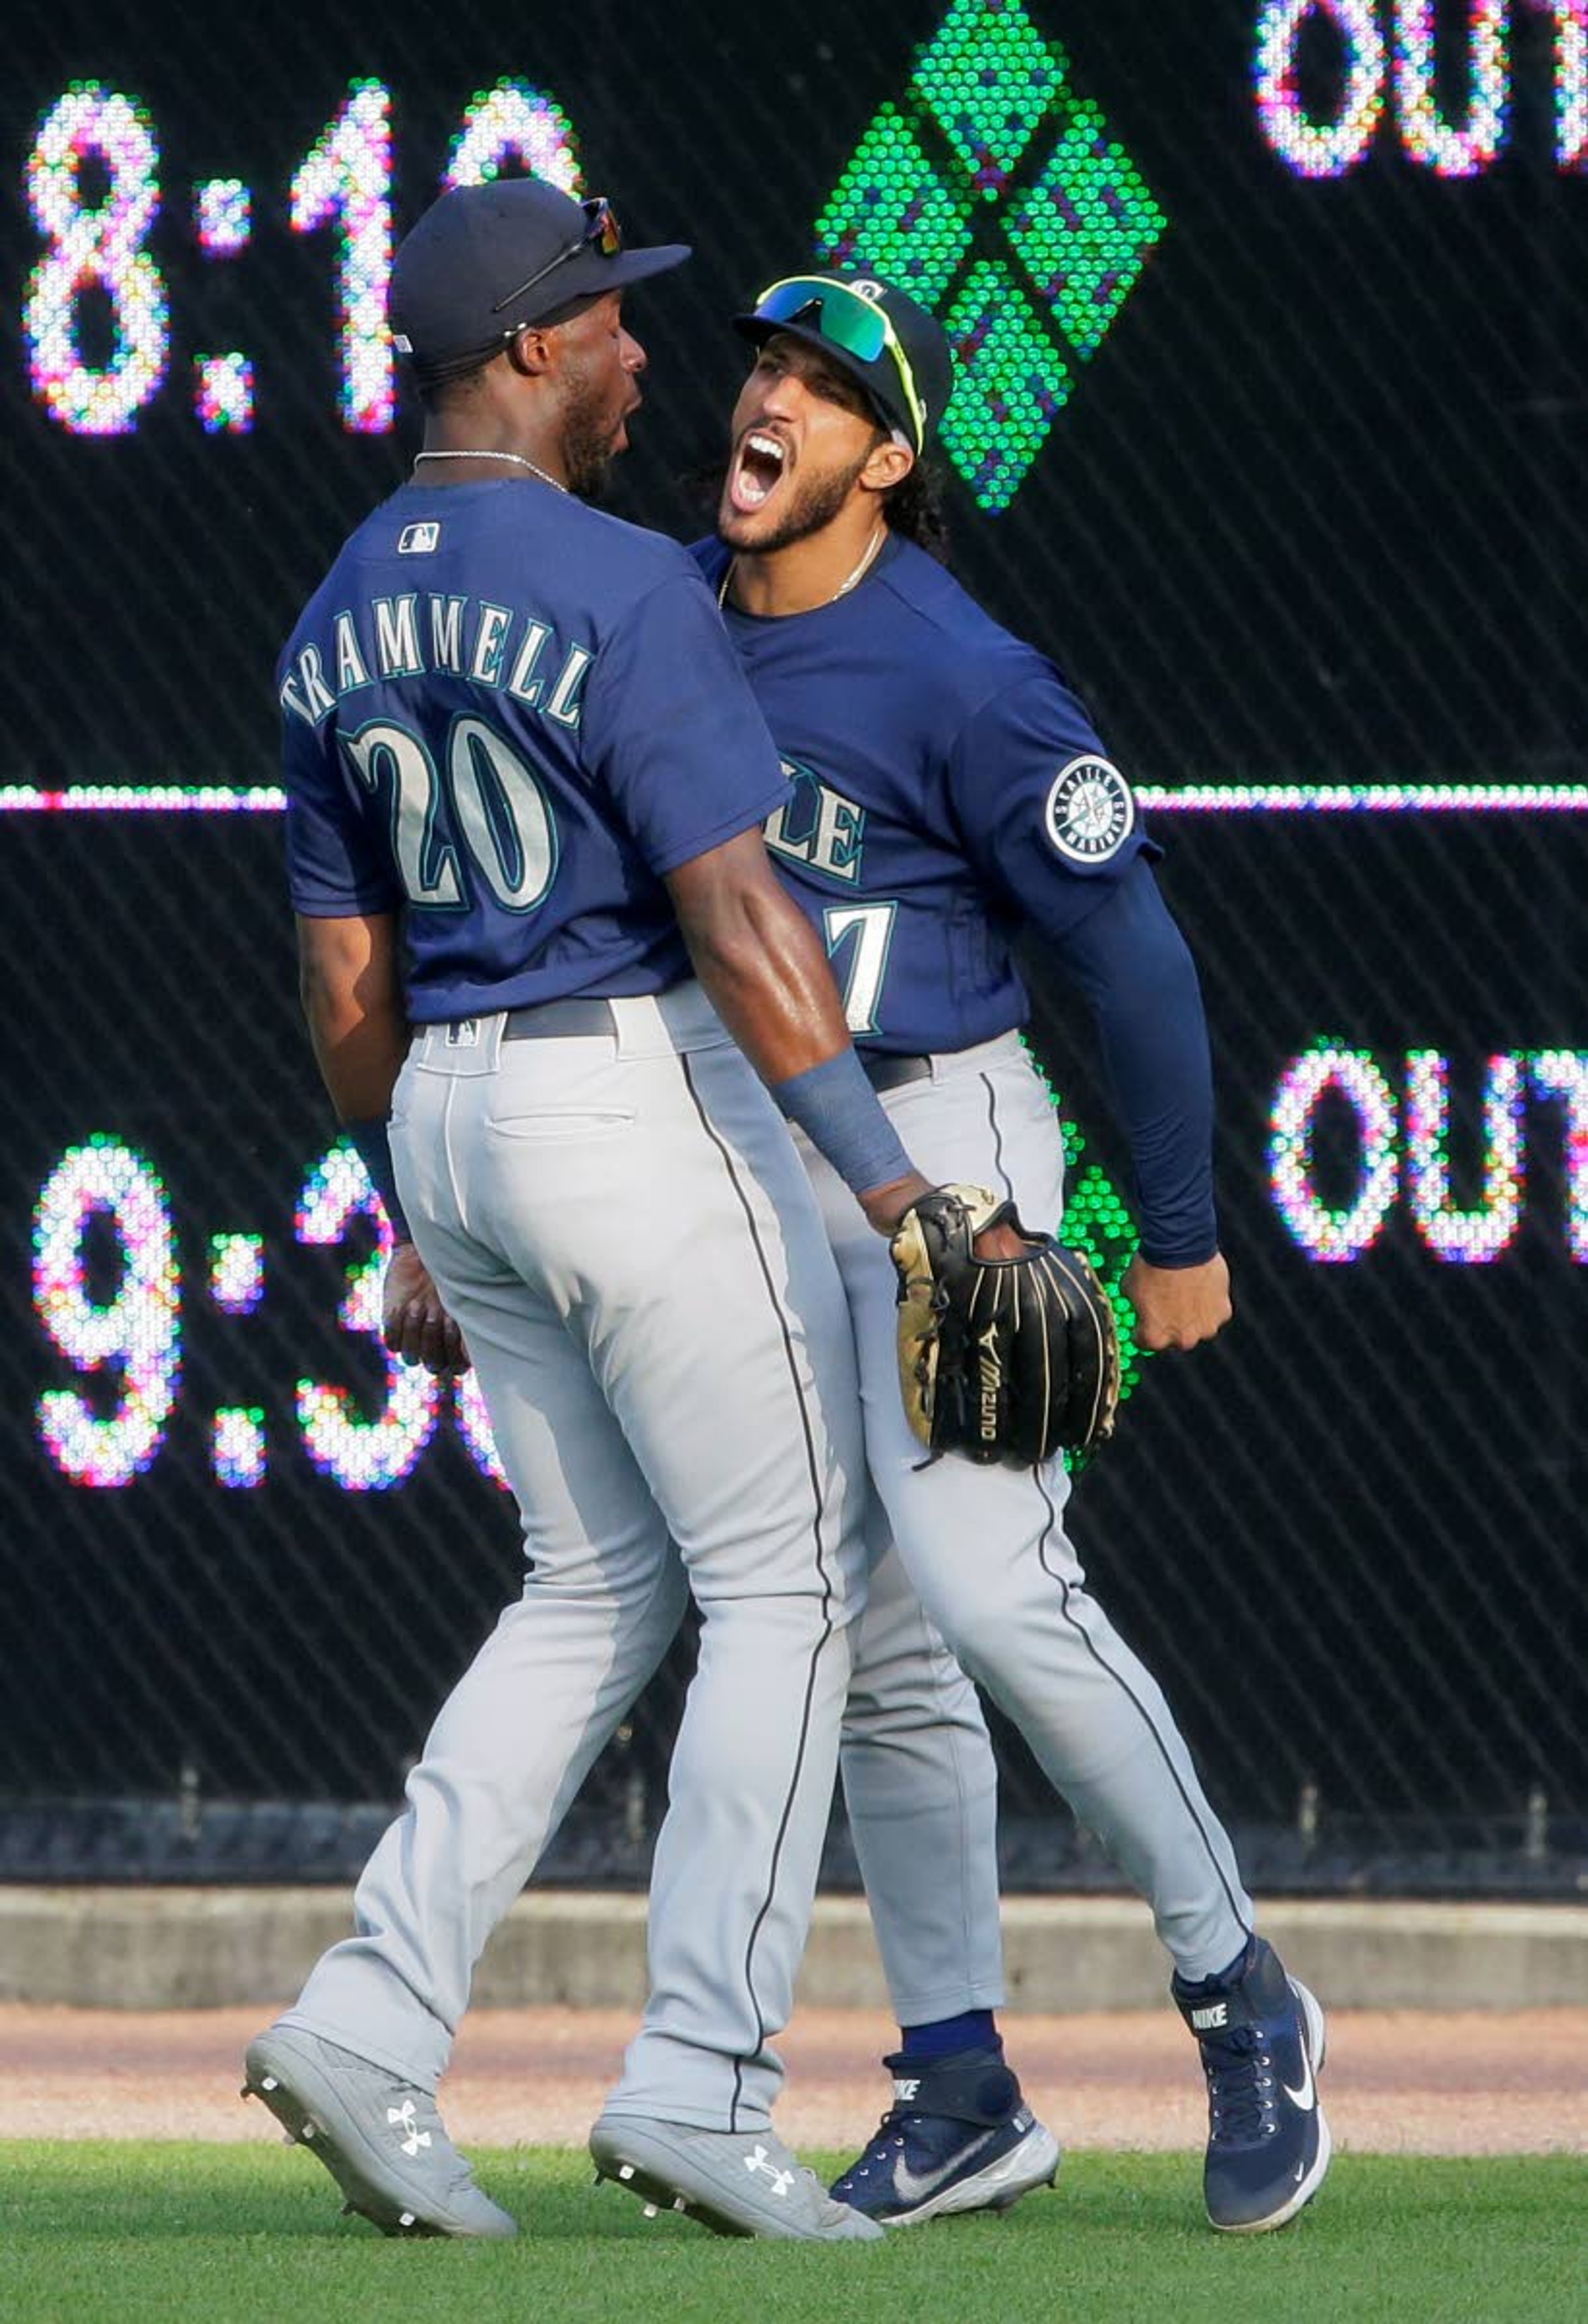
(640, 1025)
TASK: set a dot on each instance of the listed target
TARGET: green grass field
(214, 2234)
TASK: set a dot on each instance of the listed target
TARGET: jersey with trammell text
(509, 716)
(946, 788)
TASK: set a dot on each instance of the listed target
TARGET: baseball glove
(1007, 1360)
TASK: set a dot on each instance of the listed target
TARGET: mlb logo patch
(464, 1035)
(419, 540)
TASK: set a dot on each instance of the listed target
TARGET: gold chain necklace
(856, 579)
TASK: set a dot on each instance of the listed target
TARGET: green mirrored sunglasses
(846, 318)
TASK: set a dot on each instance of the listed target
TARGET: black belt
(892, 1072)
(582, 1016)
(578, 1016)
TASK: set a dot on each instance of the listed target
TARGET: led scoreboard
(1265, 351)
(1268, 428)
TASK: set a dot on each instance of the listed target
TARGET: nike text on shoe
(735, 2182)
(1263, 2049)
(380, 2138)
(958, 2137)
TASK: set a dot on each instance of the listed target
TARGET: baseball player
(947, 790)
(526, 784)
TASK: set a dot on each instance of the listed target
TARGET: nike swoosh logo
(1307, 2096)
(915, 2189)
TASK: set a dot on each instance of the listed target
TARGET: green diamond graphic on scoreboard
(990, 77)
(1012, 385)
(933, 183)
(910, 225)
(1084, 230)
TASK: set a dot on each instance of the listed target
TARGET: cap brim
(591, 276)
(634, 265)
(872, 377)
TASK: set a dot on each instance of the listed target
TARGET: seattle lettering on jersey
(421, 632)
(817, 828)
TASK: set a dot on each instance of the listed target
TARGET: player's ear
(888, 463)
(530, 352)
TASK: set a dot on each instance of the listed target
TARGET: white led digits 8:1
(344, 182)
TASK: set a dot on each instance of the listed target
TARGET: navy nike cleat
(1263, 2049)
(958, 2137)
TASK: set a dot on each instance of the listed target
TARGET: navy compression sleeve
(843, 1117)
(1131, 961)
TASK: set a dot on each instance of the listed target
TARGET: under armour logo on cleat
(404, 2116)
(762, 2161)
(1205, 2020)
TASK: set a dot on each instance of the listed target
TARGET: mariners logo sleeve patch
(1091, 811)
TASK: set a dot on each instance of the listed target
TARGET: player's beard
(587, 451)
(813, 504)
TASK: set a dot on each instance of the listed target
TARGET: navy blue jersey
(947, 787)
(508, 717)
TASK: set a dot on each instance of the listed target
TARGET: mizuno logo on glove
(1009, 1359)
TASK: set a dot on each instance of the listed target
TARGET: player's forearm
(762, 965)
(1131, 961)
(771, 985)
(765, 970)
(348, 981)
(777, 998)
(359, 1058)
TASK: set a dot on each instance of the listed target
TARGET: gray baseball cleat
(735, 2182)
(379, 2137)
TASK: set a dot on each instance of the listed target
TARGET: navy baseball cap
(485, 261)
(895, 349)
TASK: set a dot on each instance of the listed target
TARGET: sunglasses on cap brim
(846, 318)
(602, 234)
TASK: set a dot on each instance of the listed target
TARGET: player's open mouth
(758, 468)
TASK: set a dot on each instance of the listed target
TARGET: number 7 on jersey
(870, 929)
